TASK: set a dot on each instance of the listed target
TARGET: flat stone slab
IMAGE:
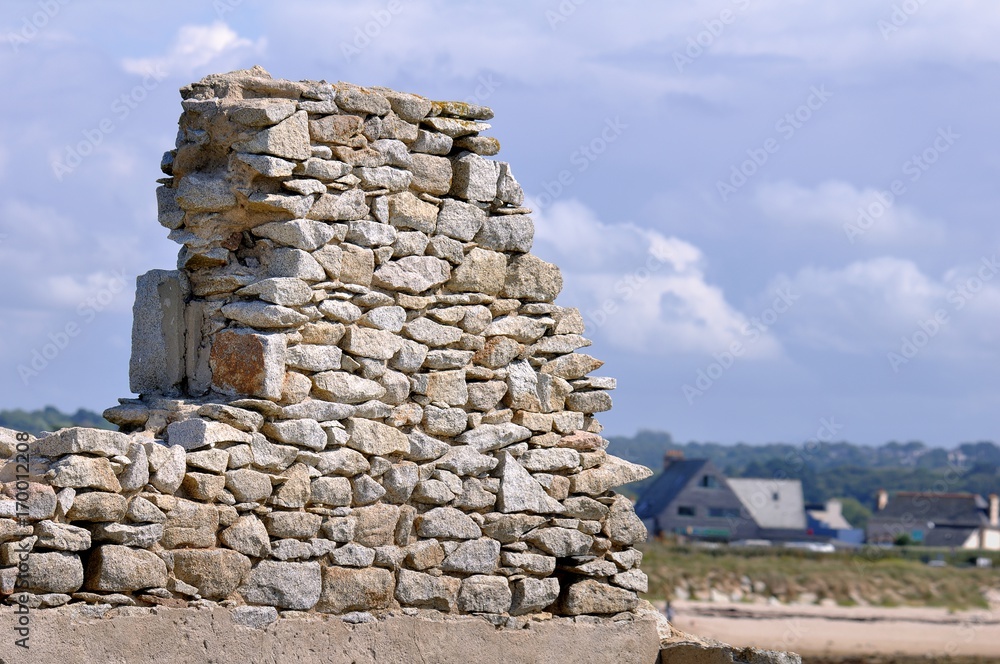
(167, 636)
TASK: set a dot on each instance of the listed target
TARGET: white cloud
(857, 215)
(638, 289)
(868, 306)
(197, 47)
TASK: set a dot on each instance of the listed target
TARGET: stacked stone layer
(357, 393)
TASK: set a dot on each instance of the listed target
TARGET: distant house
(692, 498)
(828, 522)
(953, 520)
(776, 506)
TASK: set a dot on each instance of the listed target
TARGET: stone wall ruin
(357, 393)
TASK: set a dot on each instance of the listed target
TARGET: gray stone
(61, 536)
(409, 243)
(300, 233)
(447, 387)
(482, 271)
(54, 572)
(80, 472)
(533, 595)
(622, 526)
(445, 421)
(550, 461)
(263, 315)
(429, 333)
(216, 573)
(445, 248)
(408, 211)
(590, 597)
(267, 455)
(346, 590)
(298, 525)
(115, 568)
(432, 492)
(170, 465)
(268, 166)
(370, 233)
(475, 178)
(498, 352)
(399, 481)
(634, 580)
(196, 433)
(520, 492)
(412, 274)
(261, 112)
(295, 586)
(348, 206)
(432, 142)
(485, 594)
(242, 419)
(158, 332)
(484, 397)
(254, 617)
(78, 440)
(465, 461)
(423, 590)
(353, 555)
(489, 437)
(614, 472)
(447, 523)
(346, 388)
(248, 536)
(390, 319)
(589, 402)
(141, 510)
(325, 169)
(583, 507)
(198, 192)
(384, 177)
(460, 220)
(410, 357)
(574, 365)
(448, 359)
(507, 233)
(508, 189)
(333, 491)
(519, 328)
(287, 262)
(314, 357)
(372, 343)
(480, 556)
(304, 432)
(248, 486)
(530, 563)
(529, 278)
(432, 175)
(561, 542)
(339, 310)
(288, 139)
(313, 409)
(372, 437)
(343, 462)
(424, 447)
(366, 490)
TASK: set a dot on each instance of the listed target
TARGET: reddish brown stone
(248, 364)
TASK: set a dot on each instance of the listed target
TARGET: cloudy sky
(779, 218)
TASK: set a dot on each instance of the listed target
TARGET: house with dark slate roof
(953, 520)
(692, 498)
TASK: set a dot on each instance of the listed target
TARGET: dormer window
(709, 482)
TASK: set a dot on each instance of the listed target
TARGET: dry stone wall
(357, 392)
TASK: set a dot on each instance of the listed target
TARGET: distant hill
(50, 419)
(834, 469)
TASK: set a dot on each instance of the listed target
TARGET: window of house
(724, 512)
(709, 482)
(685, 510)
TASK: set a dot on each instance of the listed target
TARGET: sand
(838, 631)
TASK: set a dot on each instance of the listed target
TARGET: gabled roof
(776, 504)
(941, 509)
(667, 486)
(830, 515)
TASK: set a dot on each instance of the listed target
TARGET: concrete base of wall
(164, 635)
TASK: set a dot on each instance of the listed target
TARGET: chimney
(670, 456)
(882, 499)
(994, 510)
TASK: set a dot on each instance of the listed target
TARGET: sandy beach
(848, 632)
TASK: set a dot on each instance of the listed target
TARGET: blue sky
(779, 218)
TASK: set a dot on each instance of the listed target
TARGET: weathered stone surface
(247, 536)
(247, 485)
(531, 279)
(485, 594)
(373, 343)
(302, 432)
(80, 440)
(344, 462)
(424, 447)
(355, 590)
(550, 461)
(520, 492)
(216, 573)
(333, 491)
(245, 363)
(97, 506)
(61, 536)
(158, 332)
(295, 586)
(482, 271)
(465, 460)
(561, 542)
(196, 433)
(372, 437)
(120, 569)
(413, 274)
(480, 556)
(507, 233)
(634, 580)
(141, 537)
(489, 437)
(432, 175)
(261, 112)
(426, 591)
(613, 473)
(533, 595)
(314, 357)
(593, 597)
(204, 193)
(288, 139)
(169, 464)
(80, 472)
(376, 525)
(408, 211)
(589, 402)
(54, 572)
(447, 523)
(347, 206)
(622, 526)
(299, 234)
(346, 388)
(429, 333)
